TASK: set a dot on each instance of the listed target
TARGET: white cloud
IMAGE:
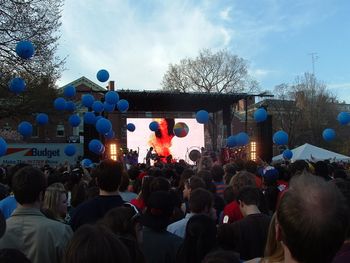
(225, 14)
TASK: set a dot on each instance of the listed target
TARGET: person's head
(321, 169)
(200, 238)
(159, 184)
(124, 221)
(251, 167)
(55, 199)
(151, 148)
(108, 175)
(298, 167)
(312, 219)
(247, 197)
(124, 182)
(191, 184)
(221, 256)
(344, 186)
(273, 248)
(95, 243)
(159, 209)
(12, 172)
(201, 201)
(242, 179)
(185, 175)
(28, 185)
(218, 173)
(205, 163)
(340, 173)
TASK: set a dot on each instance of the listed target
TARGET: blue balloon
(98, 118)
(280, 138)
(123, 105)
(3, 147)
(231, 141)
(154, 126)
(86, 163)
(25, 129)
(97, 106)
(25, 49)
(287, 154)
(42, 118)
(260, 115)
(96, 146)
(70, 150)
(242, 139)
(108, 107)
(102, 75)
(103, 126)
(74, 120)
(343, 118)
(131, 127)
(202, 116)
(87, 100)
(60, 104)
(112, 97)
(328, 134)
(17, 85)
(70, 106)
(89, 118)
(110, 135)
(69, 91)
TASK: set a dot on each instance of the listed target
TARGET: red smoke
(162, 142)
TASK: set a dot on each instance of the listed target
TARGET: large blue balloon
(242, 139)
(25, 129)
(86, 163)
(202, 116)
(87, 100)
(17, 85)
(131, 127)
(108, 107)
(89, 118)
(260, 115)
(42, 118)
(231, 141)
(154, 126)
(102, 75)
(69, 91)
(97, 106)
(25, 49)
(70, 150)
(60, 104)
(96, 146)
(70, 106)
(112, 97)
(3, 147)
(280, 138)
(110, 135)
(123, 105)
(287, 154)
(103, 126)
(328, 134)
(74, 120)
(343, 118)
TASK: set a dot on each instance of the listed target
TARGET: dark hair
(95, 243)
(344, 186)
(229, 195)
(321, 169)
(221, 256)
(12, 172)
(186, 174)
(251, 167)
(195, 182)
(249, 195)
(340, 173)
(108, 174)
(11, 255)
(2, 224)
(200, 239)
(159, 184)
(200, 199)
(124, 183)
(27, 183)
(313, 218)
(298, 166)
(217, 172)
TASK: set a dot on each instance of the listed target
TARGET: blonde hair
(273, 249)
(52, 198)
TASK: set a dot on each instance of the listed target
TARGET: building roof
(86, 82)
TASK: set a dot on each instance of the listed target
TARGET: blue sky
(136, 40)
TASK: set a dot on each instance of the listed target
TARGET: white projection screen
(141, 138)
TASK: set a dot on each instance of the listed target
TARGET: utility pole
(314, 57)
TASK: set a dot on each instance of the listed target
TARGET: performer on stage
(149, 156)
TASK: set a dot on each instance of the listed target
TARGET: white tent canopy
(313, 153)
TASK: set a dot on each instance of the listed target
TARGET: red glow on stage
(161, 140)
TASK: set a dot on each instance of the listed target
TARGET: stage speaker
(90, 133)
(264, 139)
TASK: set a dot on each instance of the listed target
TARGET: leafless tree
(37, 21)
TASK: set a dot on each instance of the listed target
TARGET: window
(60, 130)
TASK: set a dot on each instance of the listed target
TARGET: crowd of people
(243, 211)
